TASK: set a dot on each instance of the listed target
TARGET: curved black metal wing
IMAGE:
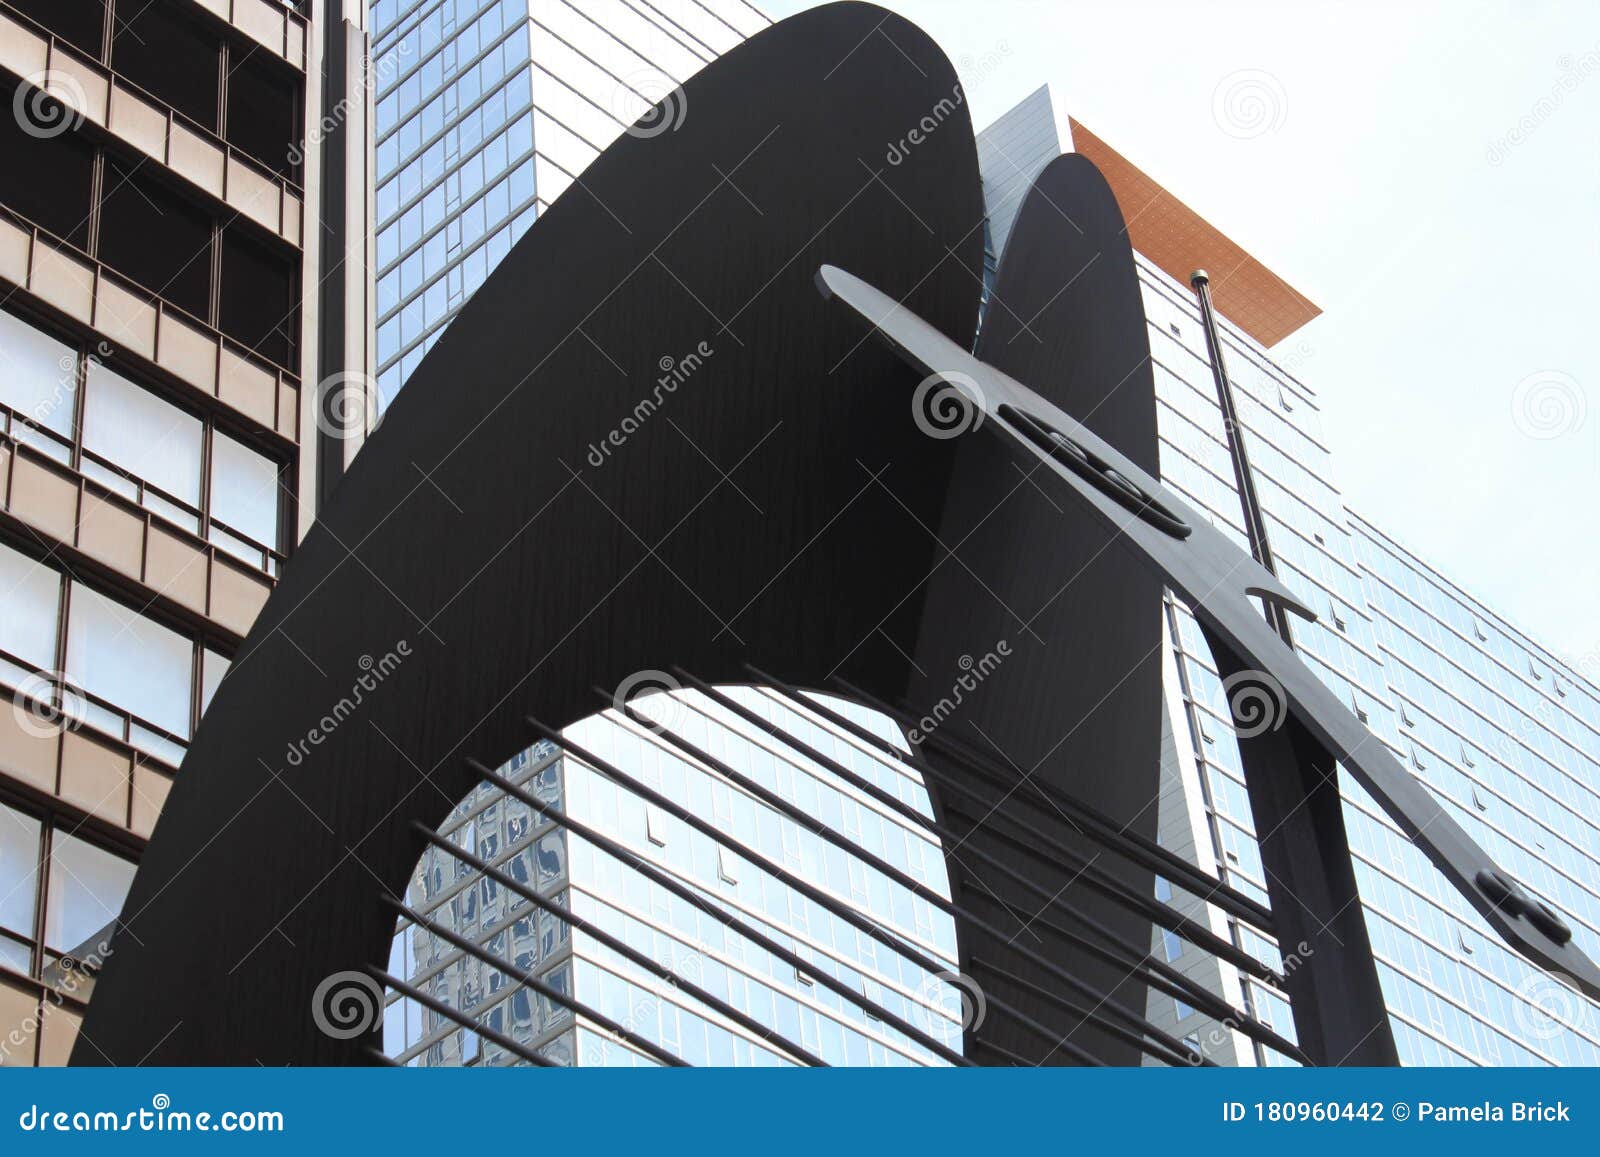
(645, 441)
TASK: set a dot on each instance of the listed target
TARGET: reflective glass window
(87, 887)
(37, 375)
(19, 869)
(244, 489)
(117, 654)
(151, 439)
(30, 603)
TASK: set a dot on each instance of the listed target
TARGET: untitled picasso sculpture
(793, 524)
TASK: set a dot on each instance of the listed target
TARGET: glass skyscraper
(490, 111)
(485, 113)
(486, 110)
(168, 306)
(1503, 731)
(596, 886)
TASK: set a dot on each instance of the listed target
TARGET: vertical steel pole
(1339, 1011)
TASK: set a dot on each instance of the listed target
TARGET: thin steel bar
(1130, 957)
(1255, 522)
(616, 1028)
(1163, 915)
(727, 919)
(1097, 826)
(460, 1018)
(1297, 807)
(1005, 1054)
(443, 1029)
(891, 940)
(1155, 972)
(872, 928)
(449, 959)
(624, 949)
(1138, 1040)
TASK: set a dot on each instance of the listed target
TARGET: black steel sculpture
(777, 503)
(647, 443)
(1216, 578)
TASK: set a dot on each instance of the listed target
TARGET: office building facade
(448, 119)
(486, 110)
(1504, 731)
(595, 885)
(183, 302)
(485, 115)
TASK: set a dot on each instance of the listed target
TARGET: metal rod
(1337, 999)
(460, 1018)
(1137, 1039)
(1140, 960)
(1155, 972)
(687, 894)
(1162, 914)
(822, 760)
(1189, 991)
(1092, 876)
(849, 915)
(529, 980)
(1255, 522)
(1137, 953)
(378, 1057)
(1004, 1054)
(878, 932)
(1097, 826)
(624, 949)
(442, 1030)
(1130, 957)
(449, 959)
(511, 852)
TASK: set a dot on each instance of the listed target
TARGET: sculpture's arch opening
(645, 901)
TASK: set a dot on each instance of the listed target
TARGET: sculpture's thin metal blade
(1215, 577)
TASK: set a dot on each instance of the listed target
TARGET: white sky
(1456, 359)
